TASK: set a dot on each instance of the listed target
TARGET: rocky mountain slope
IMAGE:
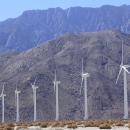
(102, 56)
(36, 26)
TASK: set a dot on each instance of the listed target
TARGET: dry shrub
(101, 121)
(62, 124)
(10, 124)
(104, 126)
(24, 126)
(36, 124)
(29, 124)
(112, 121)
(55, 124)
(2, 126)
(120, 123)
(18, 128)
(72, 126)
(95, 124)
(8, 128)
(87, 124)
(69, 122)
(78, 123)
(59, 124)
(91, 124)
(18, 124)
(44, 125)
(126, 121)
(128, 125)
(49, 123)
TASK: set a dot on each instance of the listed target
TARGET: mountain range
(101, 52)
(34, 27)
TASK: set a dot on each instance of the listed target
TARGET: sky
(14, 8)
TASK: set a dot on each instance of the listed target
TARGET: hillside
(102, 56)
(34, 27)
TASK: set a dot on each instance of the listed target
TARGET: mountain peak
(37, 26)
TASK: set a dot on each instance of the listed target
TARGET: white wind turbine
(84, 78)
(124, 67)
(17, 103)
(34, 99)
(2, 95)
(57, 103)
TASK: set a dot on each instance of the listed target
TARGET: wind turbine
(2, 95)
(57, 103)
(84, 78)
(34, 98)
(124, 68)
(17, 103)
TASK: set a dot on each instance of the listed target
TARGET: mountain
(101, 52)
(34, 27)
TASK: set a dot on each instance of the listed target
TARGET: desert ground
(113, 124)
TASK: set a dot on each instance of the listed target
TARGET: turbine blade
(82, 78)
(81, 85)
(126, 66)
(125, 69)
(54, 87)
(15, 99)
(82, 66)
(31, 84)
(3, 88)
(122, 54)
(16, 86)
(34, 82)
(55, 81)
(33, 95)
(55, 76)
(119, 74)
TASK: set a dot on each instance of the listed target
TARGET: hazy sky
(14, 8)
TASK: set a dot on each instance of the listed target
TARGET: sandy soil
(79, 128)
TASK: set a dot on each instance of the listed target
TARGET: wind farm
(65, 68)
(87, 90)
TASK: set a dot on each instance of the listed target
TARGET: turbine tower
(57, 102)
(17, 103)
(34, 98)
(124, 67)
(2, 96)
(84, 78)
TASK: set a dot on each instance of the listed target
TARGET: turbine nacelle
(17, 91)
(34, 88)
(2, 95)
(54, 82)
(57, 82)
(124, 67)
(85, 75)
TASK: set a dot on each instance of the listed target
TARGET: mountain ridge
(101, 52)
(37, 26)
